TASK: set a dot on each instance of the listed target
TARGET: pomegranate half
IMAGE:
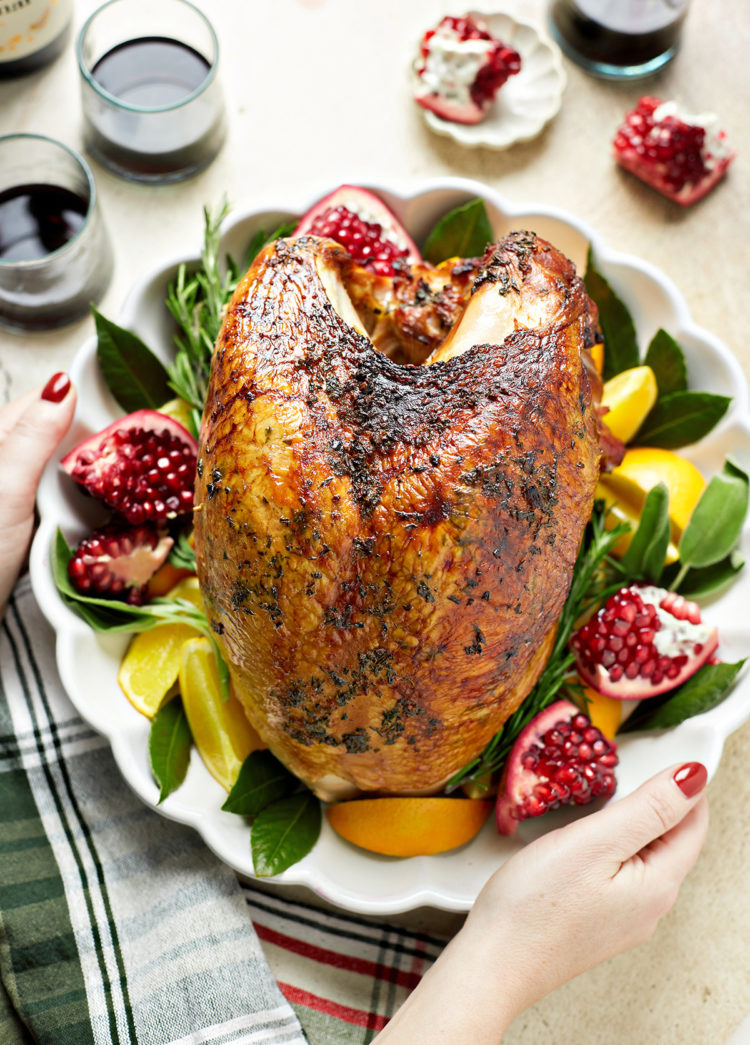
(644, 641)
(142, 465)
(558, 759)
(364, 226)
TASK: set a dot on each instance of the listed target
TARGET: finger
(672, 856)
(27, 447)
(659, 805)
(10, 412)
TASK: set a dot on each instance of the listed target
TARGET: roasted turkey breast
(384, 548)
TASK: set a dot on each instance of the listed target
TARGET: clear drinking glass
(618, 39)
(152, 103)
(55, 255)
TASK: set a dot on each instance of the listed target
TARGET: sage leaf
(134, 375)
(644, 559)
(707, 580)
(261, 239)
(169, 743)
(462, 233)
(284, 832)
(667, 360)
(181, 554)
(716, 523)
(732, 468)
(703, 691)
(681, 418)
(261, 781)
(620, 342)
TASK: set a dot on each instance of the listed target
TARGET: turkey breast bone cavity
(383, 548)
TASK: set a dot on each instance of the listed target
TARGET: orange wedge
(605, 712)
(220, 728)
(597, 356)
(151, 663)
(408, 826)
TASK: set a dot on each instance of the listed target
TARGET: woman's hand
(569, 900)
(30, 430)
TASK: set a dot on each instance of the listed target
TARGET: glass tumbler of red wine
(152, 103)
(55, 254)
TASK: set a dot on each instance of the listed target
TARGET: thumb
(28, 444)
(651, 811)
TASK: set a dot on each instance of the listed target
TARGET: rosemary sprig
(595, 577)
(197, 301)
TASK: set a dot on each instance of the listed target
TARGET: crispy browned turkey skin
(384, 548)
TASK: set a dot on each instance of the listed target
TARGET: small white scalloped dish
(526, 102)
(337, 871)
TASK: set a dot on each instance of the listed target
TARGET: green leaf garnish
(462, 233)
(707, 580)
(181, 554)
(644, 559)
(681, 418)
(134, 375)
(707, 688)
(715, 526)
(262, 239)
(169, 743)
(285, 832)
(262, 780)
(197, 302)
(667, 360)
(620, 342)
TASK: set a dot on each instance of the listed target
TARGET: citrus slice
(408, 826)
(605, 712)
(220, 728)
(597, 356)
(165, 578)
(629, 396)
(151, 663)
(179, 410)
(642, 468)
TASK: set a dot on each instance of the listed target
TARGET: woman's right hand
(568, 901)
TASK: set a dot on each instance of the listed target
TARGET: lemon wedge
(179, 410)
(220, 728)
(151, 663)
(624, 490)
(629, 396)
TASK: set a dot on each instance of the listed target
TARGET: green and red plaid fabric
(118, 926)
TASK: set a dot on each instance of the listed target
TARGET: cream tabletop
(317, 94)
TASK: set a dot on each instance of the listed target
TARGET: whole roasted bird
(394, 477)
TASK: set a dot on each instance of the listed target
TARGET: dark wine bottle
(32, 34)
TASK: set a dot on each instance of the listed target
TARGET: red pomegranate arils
(116, 562)
(642, 642)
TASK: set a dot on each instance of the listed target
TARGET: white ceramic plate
(341, 873)
(525, 102)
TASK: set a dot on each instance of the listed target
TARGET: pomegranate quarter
(642, 642)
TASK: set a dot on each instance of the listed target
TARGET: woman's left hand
(30, 431)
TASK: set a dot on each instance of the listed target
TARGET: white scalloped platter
(526, 102)
(337, 871)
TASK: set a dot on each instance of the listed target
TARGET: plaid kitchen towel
(118, 926)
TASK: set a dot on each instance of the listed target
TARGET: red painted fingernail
(691, 778)
(56, 388)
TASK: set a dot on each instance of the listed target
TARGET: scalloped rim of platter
(336, 871)
(526, 102)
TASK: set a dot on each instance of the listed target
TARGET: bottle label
(26, 26)
(633, 16)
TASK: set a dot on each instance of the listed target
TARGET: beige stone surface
(317, 94)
